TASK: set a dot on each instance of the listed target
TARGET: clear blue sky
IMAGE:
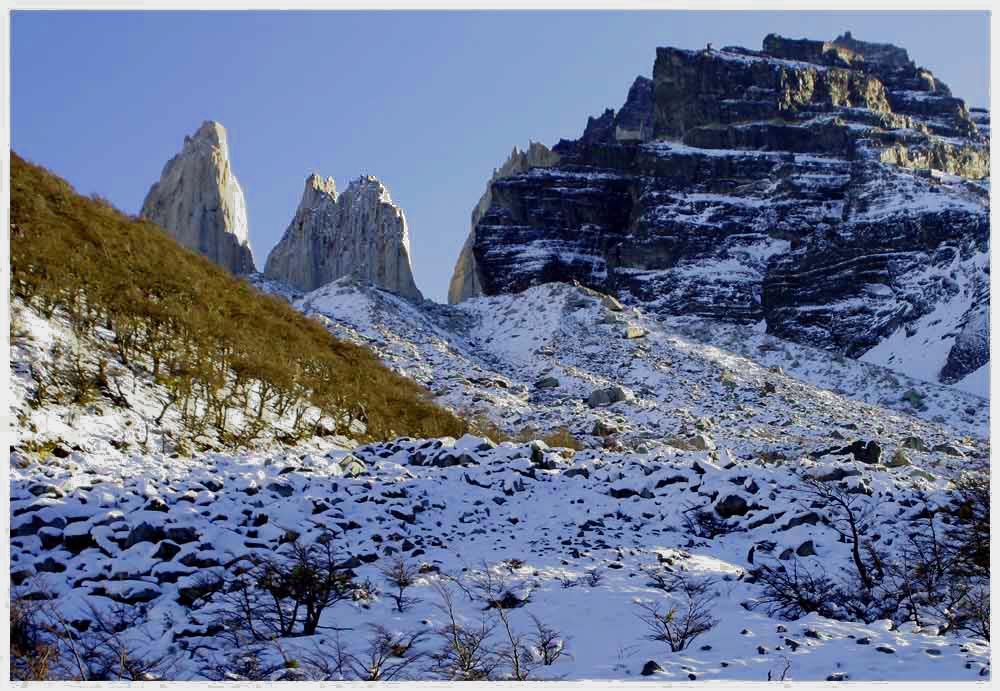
(430, 102)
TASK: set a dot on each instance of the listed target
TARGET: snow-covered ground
(711, 419)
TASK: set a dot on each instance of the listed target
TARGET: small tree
(388, 655)
(285, 594)
(851, 515)
(548, 644)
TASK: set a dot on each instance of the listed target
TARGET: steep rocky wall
(465, 281)
(200, 203)
(361, 233)
(775, 190)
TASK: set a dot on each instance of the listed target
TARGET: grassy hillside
(212, 342)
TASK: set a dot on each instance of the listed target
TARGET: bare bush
(115, 645)
(401, 575)
(851, 515)
(548, 644)
(792, 590)
(679, 625)
(388, 655)
(465, 652)
(705, 523)
(285, 594)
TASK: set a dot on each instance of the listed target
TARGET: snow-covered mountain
(832, 190)
(716, 377)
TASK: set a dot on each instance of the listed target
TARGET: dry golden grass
(206, 336)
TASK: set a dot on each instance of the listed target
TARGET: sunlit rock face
(200, 203)
(465, 281)
(831, 190)
(359, 233)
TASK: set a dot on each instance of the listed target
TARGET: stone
(650, 668)
(806, 549)
(282, 489)
(899, 459)
(732, 505)
(696, 442)
(166, 551)
(360, 234)
(915, 443)
(145, 532)
(634, 331)
(948, 450)
(608, 396)
(43, 489)
(547, 383)
(603, 429)
(199, 202)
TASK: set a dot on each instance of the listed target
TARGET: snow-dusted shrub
(706, 523)
(33, 647)
(792, 590)
(285, 593)
(385, 656)
(687, 615)
(547, 644)
(400, 575)
(465, 651)
(114, 646)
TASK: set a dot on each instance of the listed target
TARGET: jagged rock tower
(361, 233)
(200, 203)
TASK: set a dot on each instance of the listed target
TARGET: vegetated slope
(233, 364)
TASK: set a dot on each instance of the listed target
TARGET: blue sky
(430, 102)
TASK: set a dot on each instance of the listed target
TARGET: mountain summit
(833, 190)
(200, 203)
(360, 233)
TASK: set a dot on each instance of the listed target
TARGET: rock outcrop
(832, 189)
(200, 203)
(465, 278)
(361, 233)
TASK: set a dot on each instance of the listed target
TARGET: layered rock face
(465, 281)
(832, 189)
(200, 203)
(361, 233)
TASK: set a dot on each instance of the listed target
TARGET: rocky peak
(317, 191)
(200, 203)
(821, 187)
(465, 282)
(360, 233)
(635, 119)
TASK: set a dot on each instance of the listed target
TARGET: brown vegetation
(214, 343)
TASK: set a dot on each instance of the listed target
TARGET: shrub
(213, 342)
(678, 625)
(400, 575)
(284, 594)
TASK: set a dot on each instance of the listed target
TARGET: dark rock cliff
(833, 189)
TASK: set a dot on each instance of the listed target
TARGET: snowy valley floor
(680, 428)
